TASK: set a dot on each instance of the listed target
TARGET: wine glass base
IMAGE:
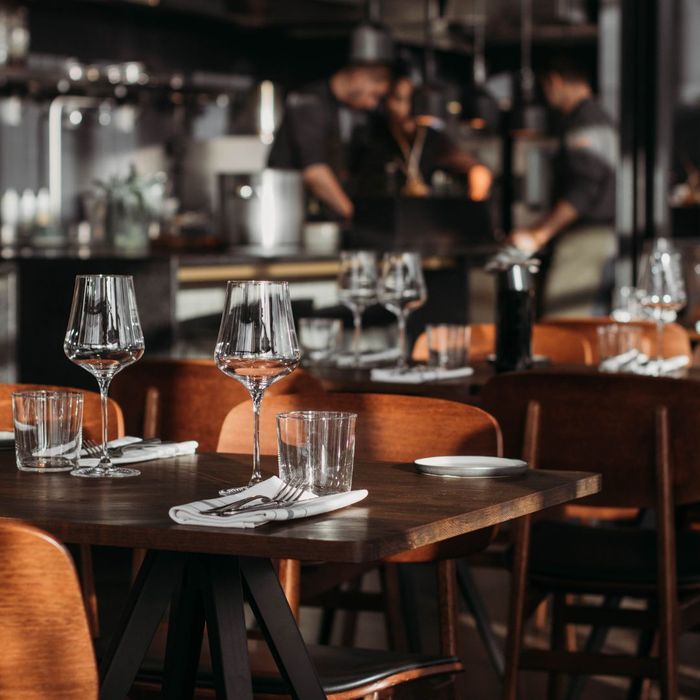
(100, 473)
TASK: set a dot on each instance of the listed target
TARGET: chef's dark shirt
(310, 131)
(585, 172)
(376, 157)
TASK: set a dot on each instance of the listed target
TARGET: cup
(318, 449)
(619, 346)
(320, 339)
(48, 430)
(448, 345)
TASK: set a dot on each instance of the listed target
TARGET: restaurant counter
(178, 288)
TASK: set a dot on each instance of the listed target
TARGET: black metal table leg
(150, 596)
(228, 640)
(185, 630)
(277, 623)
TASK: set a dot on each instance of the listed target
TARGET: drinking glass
(662, 289)
(320, 339)
(448, 345)
(401, 290)
(104, 335)
(257, 345)
(357, 288)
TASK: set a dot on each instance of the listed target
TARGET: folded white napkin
(6, 435)
(638, 363)
(143, 453)
(368, 358)
(306, 506)
(418, 375)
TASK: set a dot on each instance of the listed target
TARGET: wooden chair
(641, 434)
(46, 647)
(676, 339)
(389, 428)
(561, 346)
(92, 428)
(188, 399)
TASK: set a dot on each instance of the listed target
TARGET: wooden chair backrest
(192, 398)
(46, 648)
(389, 427)
(561, 346)
(605, 424)
(92, 410)
(676, 339)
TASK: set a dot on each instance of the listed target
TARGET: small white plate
(471, 466)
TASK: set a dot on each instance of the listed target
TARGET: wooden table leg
(270, 607)
(149, 598)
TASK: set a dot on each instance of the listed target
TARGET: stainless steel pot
(263, 209)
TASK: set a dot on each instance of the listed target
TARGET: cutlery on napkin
(418, 375)
(368, 358)
(307, 505)
(138, 451)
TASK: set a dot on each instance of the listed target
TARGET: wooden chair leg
(87, 584)
(137, 557)
(555, 684)
(447, 602)
(542, 615)
(516, 616)
(393, 608)
(151, 416)
(350, 617)
(289, 571)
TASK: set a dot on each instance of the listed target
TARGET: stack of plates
(471, 466)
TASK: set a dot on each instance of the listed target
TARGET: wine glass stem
(659, 340)
(257, 396)
(103, 383)
(357, 334)
(401, 317)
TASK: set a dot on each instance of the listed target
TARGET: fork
(93, 449)
(237, 504)
(291, 493)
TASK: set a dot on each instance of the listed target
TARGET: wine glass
(104, 335)
(257, 345)
(402, 290)
(662, 290)
(357, 288)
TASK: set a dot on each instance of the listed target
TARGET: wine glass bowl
(661, 289)
(357, 288)
(103, 337)
(257, 344)
(401, 290)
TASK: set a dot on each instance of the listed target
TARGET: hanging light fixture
(528, 117)
(370, 42)
(479, 106)
(429, 106)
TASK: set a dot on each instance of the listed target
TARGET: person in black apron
(316, 130)
(579, 229)
(393, 153)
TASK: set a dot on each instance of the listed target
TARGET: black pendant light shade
(371, 44)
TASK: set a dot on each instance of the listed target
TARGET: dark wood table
(464, 389)
(202, 572)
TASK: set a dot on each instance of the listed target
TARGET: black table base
(207, 589)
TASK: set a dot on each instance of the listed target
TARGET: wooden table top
(404, 509)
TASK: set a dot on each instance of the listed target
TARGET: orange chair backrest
(389, 427)
(561, 346)
(92, 410)
(46, 648)
(603, 423)
(193, 397)
(676, 340)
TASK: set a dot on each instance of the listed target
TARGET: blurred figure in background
(394, 150)
(315, 131)
(579, 229)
